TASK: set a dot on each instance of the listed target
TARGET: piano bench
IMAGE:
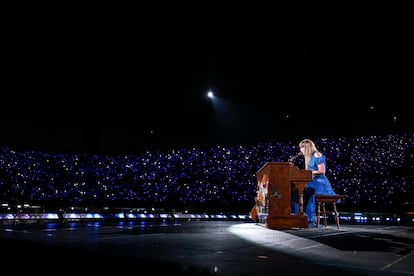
(322, 200)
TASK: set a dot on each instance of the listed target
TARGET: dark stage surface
(197, 247)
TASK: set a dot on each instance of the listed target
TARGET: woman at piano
(315, 161)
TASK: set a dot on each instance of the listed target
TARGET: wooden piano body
(275, 181)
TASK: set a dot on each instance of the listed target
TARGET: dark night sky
(122, 91)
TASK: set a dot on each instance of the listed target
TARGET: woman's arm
(321, 166)
(321, 169)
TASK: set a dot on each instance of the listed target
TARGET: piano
(275, 183)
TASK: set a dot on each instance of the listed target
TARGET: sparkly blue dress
(320, 184)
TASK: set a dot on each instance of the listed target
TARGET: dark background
(124, 90)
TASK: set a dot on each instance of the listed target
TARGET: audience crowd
(373, 173)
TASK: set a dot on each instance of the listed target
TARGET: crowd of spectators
(374, 173)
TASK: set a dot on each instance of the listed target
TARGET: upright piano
(273, 203)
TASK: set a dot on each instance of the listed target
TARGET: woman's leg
(295, 202)
(310, 209)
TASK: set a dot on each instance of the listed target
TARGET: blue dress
(320, 184)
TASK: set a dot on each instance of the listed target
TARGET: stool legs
(336, 215)
(325, 223)
(318, 214)
(322, 200)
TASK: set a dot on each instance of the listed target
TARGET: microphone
(294, 157)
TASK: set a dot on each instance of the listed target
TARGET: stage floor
(197, 247)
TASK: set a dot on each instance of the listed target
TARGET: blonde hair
(310, 148)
